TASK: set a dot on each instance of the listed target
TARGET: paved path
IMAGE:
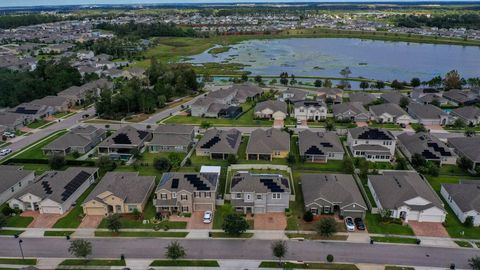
(251, 249)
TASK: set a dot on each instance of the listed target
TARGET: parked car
(9, 134)
(359, 224)
(402, 125)
(207, 217)
(349, 224)
(5, 151)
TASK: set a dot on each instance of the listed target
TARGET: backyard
(35, 152)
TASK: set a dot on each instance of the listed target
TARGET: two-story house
(310, 110)
(374, 144)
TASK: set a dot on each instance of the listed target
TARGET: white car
(5, 152)
(349, 224)
(9, 135)
(207, 217)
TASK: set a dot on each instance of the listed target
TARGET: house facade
(319, 146)
(310, 110)
(464, 199)
(271, 109)
(13, 179)
(373, 144)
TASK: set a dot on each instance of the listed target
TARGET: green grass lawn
(226, 235)
(185, 263)
(37, 123)
(57, 233)
(38, 168)
(74, 217)
(464, 244)
(141, 234)
(375, 225)
(18, 261)
(390, 126)
(315, 236)
(390, 267)
(396, 240)
(220, 213)
(289, 265)
(36, 151)
(18, 221)
(132, 224)
(10, 232)
(448, 169)
(93, 262)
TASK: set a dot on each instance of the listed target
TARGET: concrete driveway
(432, 229)
(270, 221)
(41, 220)
(90, 222)
(196, 221)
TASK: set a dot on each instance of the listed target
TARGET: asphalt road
(248, 250)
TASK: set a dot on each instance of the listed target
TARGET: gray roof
(189, 181)
(260, 183)
(53, 101)
(221, 141)
(428, 98)
(354, 107)
(11, 175)
(467, 112)
(79, 90)
(244, 91)
(339, 189)
(298, 94)
(126, 136)
(392, 97)
(222, 93)
(203, 102)
(174, 129)
(77, 137)
(393, 188)
(319, 143)
(425, 144)
(371, 148)
(425, 111)
(274, 105)
(310, 103)
(169, 139)
(466, 195)
(267, 141)
(129, 186)
(460, 96)
(390, 108)
(57, 182)
(369, 133)
(362, 97)
(467, 146)
(30, 109)
(9, 118)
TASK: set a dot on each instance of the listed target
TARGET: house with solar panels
(123, 143)
(32, 112)
(54, 192)
(219, 144)
(319, 146)
(374, 144)
(187, 192)
(426, 145)
(259, 193)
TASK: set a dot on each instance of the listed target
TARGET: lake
(373, 59)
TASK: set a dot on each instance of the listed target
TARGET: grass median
(141, 234)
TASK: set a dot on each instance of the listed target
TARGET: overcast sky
(14, 3)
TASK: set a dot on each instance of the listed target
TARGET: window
(12, 189)
(249, 197)
(183, 197)
(132, 208)
(259, 196)
(163, 196)
(174, 195)
(118, 208)
(19, 184)
(239, 195)
(184, 208)
(276, 196)
(208, 195)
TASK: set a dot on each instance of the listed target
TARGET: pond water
(373, 59)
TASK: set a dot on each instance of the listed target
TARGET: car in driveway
(207, 217)
(9, 134)
(359, 224)
(5, 152)
(349, 224)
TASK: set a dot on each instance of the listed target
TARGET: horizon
(35, 3)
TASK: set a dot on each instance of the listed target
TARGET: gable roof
(274, 105)
(310, 103)
(53, 101)
(392, 97)
(466, 195)
(266, 141)
(369, 133)
(390, 108)
(430, 147)
(259, 183)
(128, 186)
(425, 111)
(362, 97)
(221, 141)
(319, 143)
(77, 137)
(354, 107)
(460, 96)
(189, 181)
(467, 112)
(340, 189)
(11, 175)
(174, 129)
(126, 136)
(467, 146)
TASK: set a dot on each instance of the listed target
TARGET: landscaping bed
(315, 236)
(185, 263)
(376, 226)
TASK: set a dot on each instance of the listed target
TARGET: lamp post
(20, 241)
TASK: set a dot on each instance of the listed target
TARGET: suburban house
(374, 144)
(461, 97)
(332, 193)
(32, 112)
(427, 114)
(353, 111)
(207, 107)
(330, 95)
(58, 103)
(407, 195)
(362, 97)
(467, 147)
(464, 199)
(13, 179)
(310, 110)
(80, 139)
(426, 145)
(393, 97)
(172, 138)
(123, 143)
(432, 98)
(259, 193)
(54, 192)
(268, 144)
(319, 146)
(78, 94)
(12, 121)
(390, 113)
(245, 92)
(120, 193)
(271, 109)
(219, 144)
(187, 192)
(468, 114)
(294, 95)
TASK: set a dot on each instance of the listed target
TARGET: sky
(15, 3)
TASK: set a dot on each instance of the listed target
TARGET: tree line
(466, 20)
(144, 30)
(13, 21)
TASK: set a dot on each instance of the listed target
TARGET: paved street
(252, 249)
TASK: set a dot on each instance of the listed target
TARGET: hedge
(83, 163)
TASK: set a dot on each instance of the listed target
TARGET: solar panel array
(374, 134)
(211, 142)
(429, 155)
(46, 187)
(142, 134)
(236, 180)
(74, 184)
(22, 110)
(271, 185)
(196, 182)
(175, 183)
(313, 150)
(232, 140)
(122, 138)
(326, 144)
(440, 149)
(285, 182)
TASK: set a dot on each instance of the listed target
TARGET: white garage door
(259, 210)
(50, 210)
(431, 218)
(202, 207)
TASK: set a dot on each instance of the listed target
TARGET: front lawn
(289, 265)
(18, 261)
(141, 234)
(38, 123)
(10, 232)
(18, 221)
(220, 213)
(396, 240)
(389, 267)
(57, 233)
(74, 217)
(448, 169)
(226, 235)
(35, 152)
(376, 226)
(185, 263)
(316, 236)
(130, 223)
(93, 262)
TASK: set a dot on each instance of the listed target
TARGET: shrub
(326, 227)
(468, 222)
(330, 258)
(56, 162)
(308, 216)
(162, 164)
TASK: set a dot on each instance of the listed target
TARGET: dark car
(359, 224)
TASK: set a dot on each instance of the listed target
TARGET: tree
(326, 227)
(415, 82)
(345, 72)
(459, 124)
(318, 83)
(435, 102)
(468, 222)
(136, 214)
(113, 223)
(329, 125)
(175, 159)
(232, 159)
(56, 161)
(330, 258)
(464, 163)
(284, 78)
(175, 251)
(379, 85)
(347, 165)
(80, 248)
(279, 250)
(401, 164)
(105, 164)
(419, 128)
(205, 125)
(162, 164)
(258, 79)
(244, 77)
(308, 216)
(291, 159)
(418, 160)
(470, 132)
(234, 224)
(404, 101)
(3, 220)
(385, 214)
(432, 169)
(327, 83)
(474, 263)
(364, 85)
(452, 80)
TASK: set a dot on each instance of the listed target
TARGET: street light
(21, 250)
